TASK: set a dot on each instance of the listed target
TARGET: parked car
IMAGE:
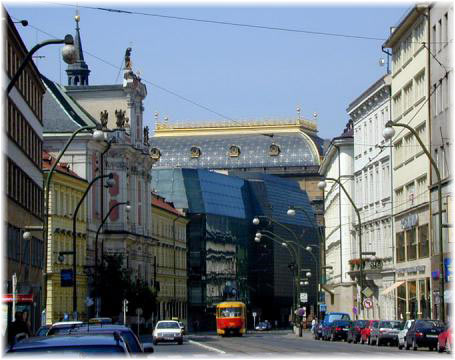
(263, 326)
(167, 330)
(424, 333)
(329, 319)
(127, 333)
(108, 344)
(339, 330)
(386, 331)
(445, 340)
(402, 333)
(366, 331)
(354, 330)
(42, 331)
(64, 327)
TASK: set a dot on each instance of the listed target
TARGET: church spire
(78, 72)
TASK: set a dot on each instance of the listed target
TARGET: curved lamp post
(388, 133)
(69, 55)
(74, 252)
(322, 185)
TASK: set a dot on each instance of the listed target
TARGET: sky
(198, 71)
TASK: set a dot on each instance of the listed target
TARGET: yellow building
(170, 271)
(66, 190)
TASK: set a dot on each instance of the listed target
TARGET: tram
(231, 318)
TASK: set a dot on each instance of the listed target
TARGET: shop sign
(409, 222)
(412, 269)
(448, 269)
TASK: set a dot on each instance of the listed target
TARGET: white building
(410, 166)
(339, 215)
(372, 177)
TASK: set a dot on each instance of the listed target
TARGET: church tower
(78, 72)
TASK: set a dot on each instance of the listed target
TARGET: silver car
(402, 334)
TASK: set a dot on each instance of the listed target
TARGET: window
(400, 247)
(419, 86)
(398, 152)
(397, 105)
(411, 243)
(439, 33)
(433, 39)
(421, 189)
(412, 297)
(407, 49)
(419, 35)
(445, 31)
(408, 100)
(423, 241)
(401, 303)
(399, 199)
(396, 58)
(411, 194)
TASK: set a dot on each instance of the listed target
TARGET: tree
(140, 295)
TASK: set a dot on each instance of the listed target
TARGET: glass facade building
(224, 262)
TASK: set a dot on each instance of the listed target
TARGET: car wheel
(180, 342)
(378, 342)
(414, 345)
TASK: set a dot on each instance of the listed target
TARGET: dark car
(386, 332)
(109, 344)
(355, 329)
(328, 321)
(339, 330)
(366, 331)
(127, 334)
(424, 333)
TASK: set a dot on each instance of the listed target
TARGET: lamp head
(308, 248)
(256, 221)
(388, 132)
(306, 283)
(322, 184)
(284, 244)
(308, 274)
(257, 239)
(69, 53)
(128, 208)
(27, 235)
(258, 235)
(98, 135)
(291, 212)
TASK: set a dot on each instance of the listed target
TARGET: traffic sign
(254, 314)
(368, 303)
(367, 292)
(322, 307)
(304, 297)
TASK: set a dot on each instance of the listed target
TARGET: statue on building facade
(128, 63)
(103, 118)
(120, 115)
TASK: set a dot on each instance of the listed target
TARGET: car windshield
(168, 325)
(428, 324)
(80, 349)
(62, 330)
(332, 317)
(231, 312)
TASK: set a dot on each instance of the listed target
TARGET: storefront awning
(393, 287)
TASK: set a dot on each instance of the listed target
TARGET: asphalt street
(276, 344)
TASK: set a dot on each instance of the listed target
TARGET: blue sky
(238, 72)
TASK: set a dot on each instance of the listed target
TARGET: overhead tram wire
(218, 22)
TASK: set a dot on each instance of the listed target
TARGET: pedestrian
(17, 327)
(313, 324)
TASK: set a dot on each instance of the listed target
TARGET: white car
(402, 334)
(168, 330)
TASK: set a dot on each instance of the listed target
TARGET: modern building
(117, 109)
(415, 295)
(65, 191)
(24, 180)
(341, 230)
(224, 262)
(441, 107)
(169, 260)
(372, 183)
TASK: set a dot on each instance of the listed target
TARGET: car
(424, 333)
(167, 330)
(402, 333)
(339, 330)
(386, 331)
(445, 340)
(64, 327)
(329, 318)
(354, 331)
(127, 333)
(42, 331)
(366, 331)
(262, 326)
(108, 344)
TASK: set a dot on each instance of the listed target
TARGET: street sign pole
(254, 320)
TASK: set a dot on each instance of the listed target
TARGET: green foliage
(114, 284)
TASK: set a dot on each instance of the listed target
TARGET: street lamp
(322, 185)
(388, 133)
(69, 55)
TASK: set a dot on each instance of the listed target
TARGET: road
(277, 344)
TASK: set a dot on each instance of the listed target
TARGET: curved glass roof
(214, 151)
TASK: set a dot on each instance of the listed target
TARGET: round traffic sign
(368, 303)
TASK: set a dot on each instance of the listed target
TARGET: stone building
(65, 191)
(23, 126)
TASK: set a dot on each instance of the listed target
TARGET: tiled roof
(165, 206)
(48, 161)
